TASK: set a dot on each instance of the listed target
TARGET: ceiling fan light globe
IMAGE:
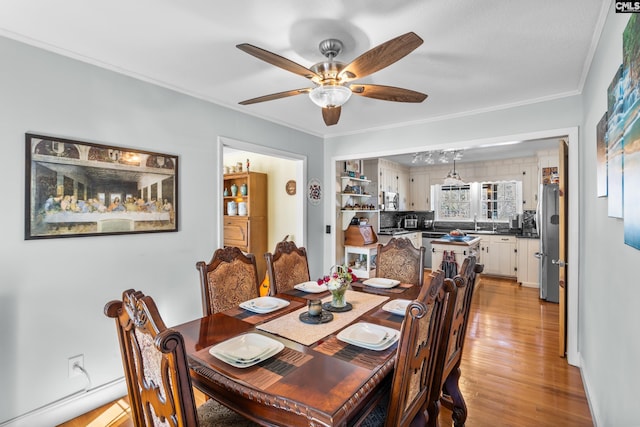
(330, 96)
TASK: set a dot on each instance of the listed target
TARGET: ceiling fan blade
(331, 115)
(381, 56)
(388, 93)
(273, 96)
(278, 61)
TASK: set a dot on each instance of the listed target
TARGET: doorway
(573, 226)
(286, 211)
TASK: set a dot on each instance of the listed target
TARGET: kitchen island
(456, 250)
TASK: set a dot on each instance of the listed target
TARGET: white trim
(70, 407)
(595, 415)
(301, 174)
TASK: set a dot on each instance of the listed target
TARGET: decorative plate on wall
(315, 191)
(290, 187)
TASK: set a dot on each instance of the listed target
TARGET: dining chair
(452, 346)
(230, 278)
(287, 267)
(400, 260)
(156, 369)
(412, 388)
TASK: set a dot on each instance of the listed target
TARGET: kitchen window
(488, 201)
(454, 202)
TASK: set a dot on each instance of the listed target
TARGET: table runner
(290, 326)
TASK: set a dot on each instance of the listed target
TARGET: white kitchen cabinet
(528, 264)
(403, 189)
(394, 178)
(530, 187)
(499, 255)
(388, 181)
(419, 191)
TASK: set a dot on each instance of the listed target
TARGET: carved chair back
(416, 360)
(287, 267)
(230, 278)
(453, 343)
(400, 260)
(154, 362)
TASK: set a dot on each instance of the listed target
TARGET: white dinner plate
(364, 334)
(381, 282)
(311, 287)
(246, 350)
(264, 305)
(397, 306)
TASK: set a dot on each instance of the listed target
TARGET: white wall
(52, 292)
(609, 314)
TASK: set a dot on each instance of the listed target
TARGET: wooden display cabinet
(247, 232)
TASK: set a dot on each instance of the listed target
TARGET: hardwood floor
(511, 374)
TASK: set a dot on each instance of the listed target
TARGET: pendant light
(453, 178)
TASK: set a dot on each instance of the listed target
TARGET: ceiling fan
(332, 78)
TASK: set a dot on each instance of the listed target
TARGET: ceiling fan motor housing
(331, 48)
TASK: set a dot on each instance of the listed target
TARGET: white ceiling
(477, 55)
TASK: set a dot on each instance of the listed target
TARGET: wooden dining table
(317, 379)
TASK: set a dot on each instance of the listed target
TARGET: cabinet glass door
(500, 200)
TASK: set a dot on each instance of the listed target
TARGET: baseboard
(70, 407)
(530, 284)
(587, 386)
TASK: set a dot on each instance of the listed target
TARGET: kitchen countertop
(398, 231)
(446, 240)
(401, 231)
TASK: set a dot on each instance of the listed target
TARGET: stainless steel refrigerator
(549, 229)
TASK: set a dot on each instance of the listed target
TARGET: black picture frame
(76, 189)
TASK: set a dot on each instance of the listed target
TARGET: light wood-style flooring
(511, 374)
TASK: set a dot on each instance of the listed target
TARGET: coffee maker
(515, 223)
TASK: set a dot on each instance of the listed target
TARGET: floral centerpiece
(338, 281)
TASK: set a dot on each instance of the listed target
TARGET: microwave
(391, 201)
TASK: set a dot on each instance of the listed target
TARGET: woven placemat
(290, 326)
(306, 295)
(369, 359)
(255, 318)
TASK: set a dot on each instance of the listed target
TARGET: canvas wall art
(601, 157)
(76, 188)
(615, 129)
(631, 206)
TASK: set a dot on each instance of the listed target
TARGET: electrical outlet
(74, 362)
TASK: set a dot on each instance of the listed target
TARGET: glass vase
(338, 296)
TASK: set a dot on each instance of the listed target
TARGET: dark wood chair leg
(459, 407)
(433, 410)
